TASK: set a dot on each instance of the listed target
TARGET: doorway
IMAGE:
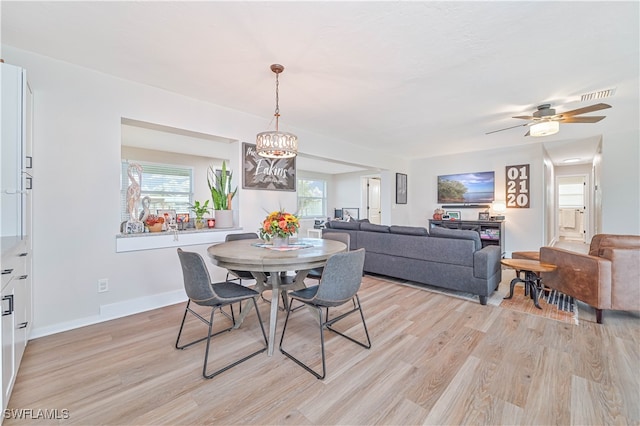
(572, 213)
(373, 200)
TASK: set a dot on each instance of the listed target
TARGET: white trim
(157, 240)
(113, 311)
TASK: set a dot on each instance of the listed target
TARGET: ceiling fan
(546, 122)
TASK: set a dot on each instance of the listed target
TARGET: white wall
(523, 227)
(77, 135)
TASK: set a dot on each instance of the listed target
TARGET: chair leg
(327, 323)
(599, 316)
(296, 360)
(211, 334)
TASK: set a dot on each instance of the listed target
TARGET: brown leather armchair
(607, 278)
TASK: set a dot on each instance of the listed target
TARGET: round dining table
(269, 264)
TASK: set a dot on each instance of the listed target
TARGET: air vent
(600, 94)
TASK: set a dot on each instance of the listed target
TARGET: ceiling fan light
(544, 128)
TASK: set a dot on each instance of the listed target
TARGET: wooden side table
(531, 281)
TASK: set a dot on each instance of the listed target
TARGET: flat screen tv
(466, 188)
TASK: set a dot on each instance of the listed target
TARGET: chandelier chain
(277, 113)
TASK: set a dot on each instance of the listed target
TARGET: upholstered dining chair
(200, 290)
(261, 286)
(240, 275)
(338, 285)
(343, 237)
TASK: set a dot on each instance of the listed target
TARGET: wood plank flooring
(434, 360)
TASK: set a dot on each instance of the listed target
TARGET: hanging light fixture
(544, 128)
(277, 144)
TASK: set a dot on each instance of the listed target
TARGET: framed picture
(337, 213)
(182, 217)
(483, 216)
(170, 214)
(401, 188)
(453, 215)
(267, 173)
(350, 212)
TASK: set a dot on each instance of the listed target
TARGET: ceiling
(410, 79)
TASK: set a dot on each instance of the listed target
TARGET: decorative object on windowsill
(134, 225)
(154, 223)
(437, 214)
(277, 144)
(219, 182)
(211, 223)
(279, 226)
(200, 210)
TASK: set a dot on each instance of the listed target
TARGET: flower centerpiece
(279, 226)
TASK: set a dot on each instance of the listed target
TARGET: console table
(491, 232)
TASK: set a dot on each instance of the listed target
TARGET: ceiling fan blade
(528, 133)
(592, 108)
(525, 117)
(507, 128)
(593, 119)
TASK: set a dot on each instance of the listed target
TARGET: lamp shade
(499, 206)
(544, 128)
(276, 144)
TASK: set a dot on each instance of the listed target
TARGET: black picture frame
(265, 173)
(483, 216)
(401, 188)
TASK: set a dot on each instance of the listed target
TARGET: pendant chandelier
(277, 144)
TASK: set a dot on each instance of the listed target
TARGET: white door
(572, 207)
(373, 200)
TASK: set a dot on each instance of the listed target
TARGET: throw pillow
(461, 234)
(408, 230)
(372, 227)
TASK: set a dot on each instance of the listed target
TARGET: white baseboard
(113, 311)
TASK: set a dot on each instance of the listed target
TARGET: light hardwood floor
(435, 360)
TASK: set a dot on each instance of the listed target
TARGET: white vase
(280, 241)
(224, 218)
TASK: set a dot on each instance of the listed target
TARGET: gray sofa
(447, 258)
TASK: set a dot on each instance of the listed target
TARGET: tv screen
(466, 188)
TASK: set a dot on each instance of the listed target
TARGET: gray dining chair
(338, 285)
(240, 275)
(342, 237)
(261, 286)
(200, 290)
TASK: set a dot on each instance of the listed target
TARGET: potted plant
(200, 210)
(221, 194)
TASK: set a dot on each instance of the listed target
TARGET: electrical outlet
(103, 285)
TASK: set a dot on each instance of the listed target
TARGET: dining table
(269, 266)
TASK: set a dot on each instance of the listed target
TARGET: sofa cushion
(408, 230)
(337, 224)
(460, 234)
(372, 227)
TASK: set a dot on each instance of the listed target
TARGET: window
(168, 187)
(312, 198)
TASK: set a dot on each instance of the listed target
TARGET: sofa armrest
(486, 262)
(625, 277)
(585, 277)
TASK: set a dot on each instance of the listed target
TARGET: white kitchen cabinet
(15, 217)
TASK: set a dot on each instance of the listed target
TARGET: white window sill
(157, 240)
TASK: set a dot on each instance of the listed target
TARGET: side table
(531, 281)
